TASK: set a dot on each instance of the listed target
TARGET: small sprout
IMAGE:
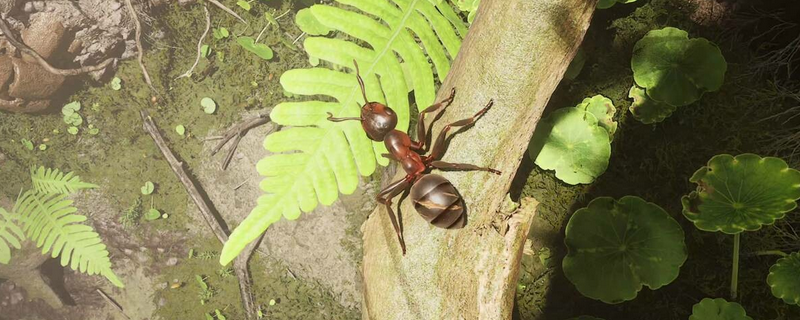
(116, 83)
(219, 315)
(718, 309)
(56, 131)
(784, 279)
(42, 147)
(741, 193)
(254, 84)
(220, 33)
(72, 130)
(95, 107)
(309, 24)
(244, 5)
(221, 56)
(180, 129)
(204, 50)
(164, 216)
(209, 106)
(260, 313)
(191, 253)
(148, 188)
(675, 69)
(261, 50)
(272, 302)
(27, 144)
(615, 247)
(209, 317)
(201, 281)
(270, 18)
(571, 142)
(152, 214)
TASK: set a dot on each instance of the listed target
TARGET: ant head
(377, 120)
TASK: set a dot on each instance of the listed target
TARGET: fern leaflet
(46, 180)
(49, 220)
(314, 159)
(10, 233)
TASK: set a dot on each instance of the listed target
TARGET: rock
(127, 252)
(32, 82)
(172, 261)
(44, 36)
(24, 106)
(6, 70)
(184, 3)
(162, 286)
(162, 302)
(16, 297)
(160, 250)
(7, 6)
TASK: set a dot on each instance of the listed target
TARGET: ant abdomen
(438, 202)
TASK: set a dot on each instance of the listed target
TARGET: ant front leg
(461, 166)
(422, 134)
(439, 146)
(385, 197)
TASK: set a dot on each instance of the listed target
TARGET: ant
(434, 197)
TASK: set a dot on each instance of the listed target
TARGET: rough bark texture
(516, 53)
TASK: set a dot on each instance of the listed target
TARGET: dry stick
(113, 303)
(139, 43)
(240, 263)
(199, 46)
(42, 62)
(237, 132)
(226, 9)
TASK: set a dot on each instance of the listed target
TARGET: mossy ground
(654, 162)
(122, 156)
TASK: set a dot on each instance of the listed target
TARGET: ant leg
(422, 134)
(385, 197)
(438, 148)
(462, 166)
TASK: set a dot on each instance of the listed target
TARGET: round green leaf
(647, 110)
(784, 279)
(243, 4)
(204, 50)
(74, 119)
(260, 49)
(616, 247)
(27, 143)
(306, 21)
(603, 109)
(675, 69)
(741, 193)
(718, 309)
(116, 83)
(605, 4)
(94, 131)
(570, 142)
(180, 129)
(42, 147)
(148, 188)
(72, 130)
(209, 106)
(152, 214)
(70, 108)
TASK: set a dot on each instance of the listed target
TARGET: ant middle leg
(438, 147)
(385, 197)
(462, 167)
(422, 134)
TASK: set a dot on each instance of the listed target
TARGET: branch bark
(516, 53)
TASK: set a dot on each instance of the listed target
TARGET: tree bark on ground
(516, 53)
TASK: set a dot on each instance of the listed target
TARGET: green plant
(616, 247)
(261, 50)
(571, 142)
(220, 33)
(603, 109)
(718, 309)
(315, 159)
(784, 278)
(741, 193)
(605, 4)
(208, 104)
(116, 84)
(647, 110)
(147, 188)
(675, 69)
(10, 233)
(49, 219)
(206, 292)
(470, 6)
(130, 217)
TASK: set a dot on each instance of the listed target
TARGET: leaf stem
(735, 271)
(770, 253)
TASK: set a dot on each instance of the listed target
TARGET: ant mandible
(434, 197)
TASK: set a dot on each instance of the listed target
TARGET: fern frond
(50, 221)
(10, 233)
(46, 180)
(315, 159)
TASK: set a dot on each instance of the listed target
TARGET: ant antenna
(331, 118)
(360, 81)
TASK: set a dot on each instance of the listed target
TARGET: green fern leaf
(10, 233)
(314, 159)
(49, 220)
(46, 180)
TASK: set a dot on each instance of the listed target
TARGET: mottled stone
(33, 82)
(24, 106)
(44, 36)
(6, 70)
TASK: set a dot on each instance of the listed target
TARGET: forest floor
(310, 267)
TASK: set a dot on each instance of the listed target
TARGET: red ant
(434, 197)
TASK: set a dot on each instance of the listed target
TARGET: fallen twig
(199, 46)
(240, 263)
(237, 132)
(42, 62)
(138, 25)
(226, 9)
(113, 303)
